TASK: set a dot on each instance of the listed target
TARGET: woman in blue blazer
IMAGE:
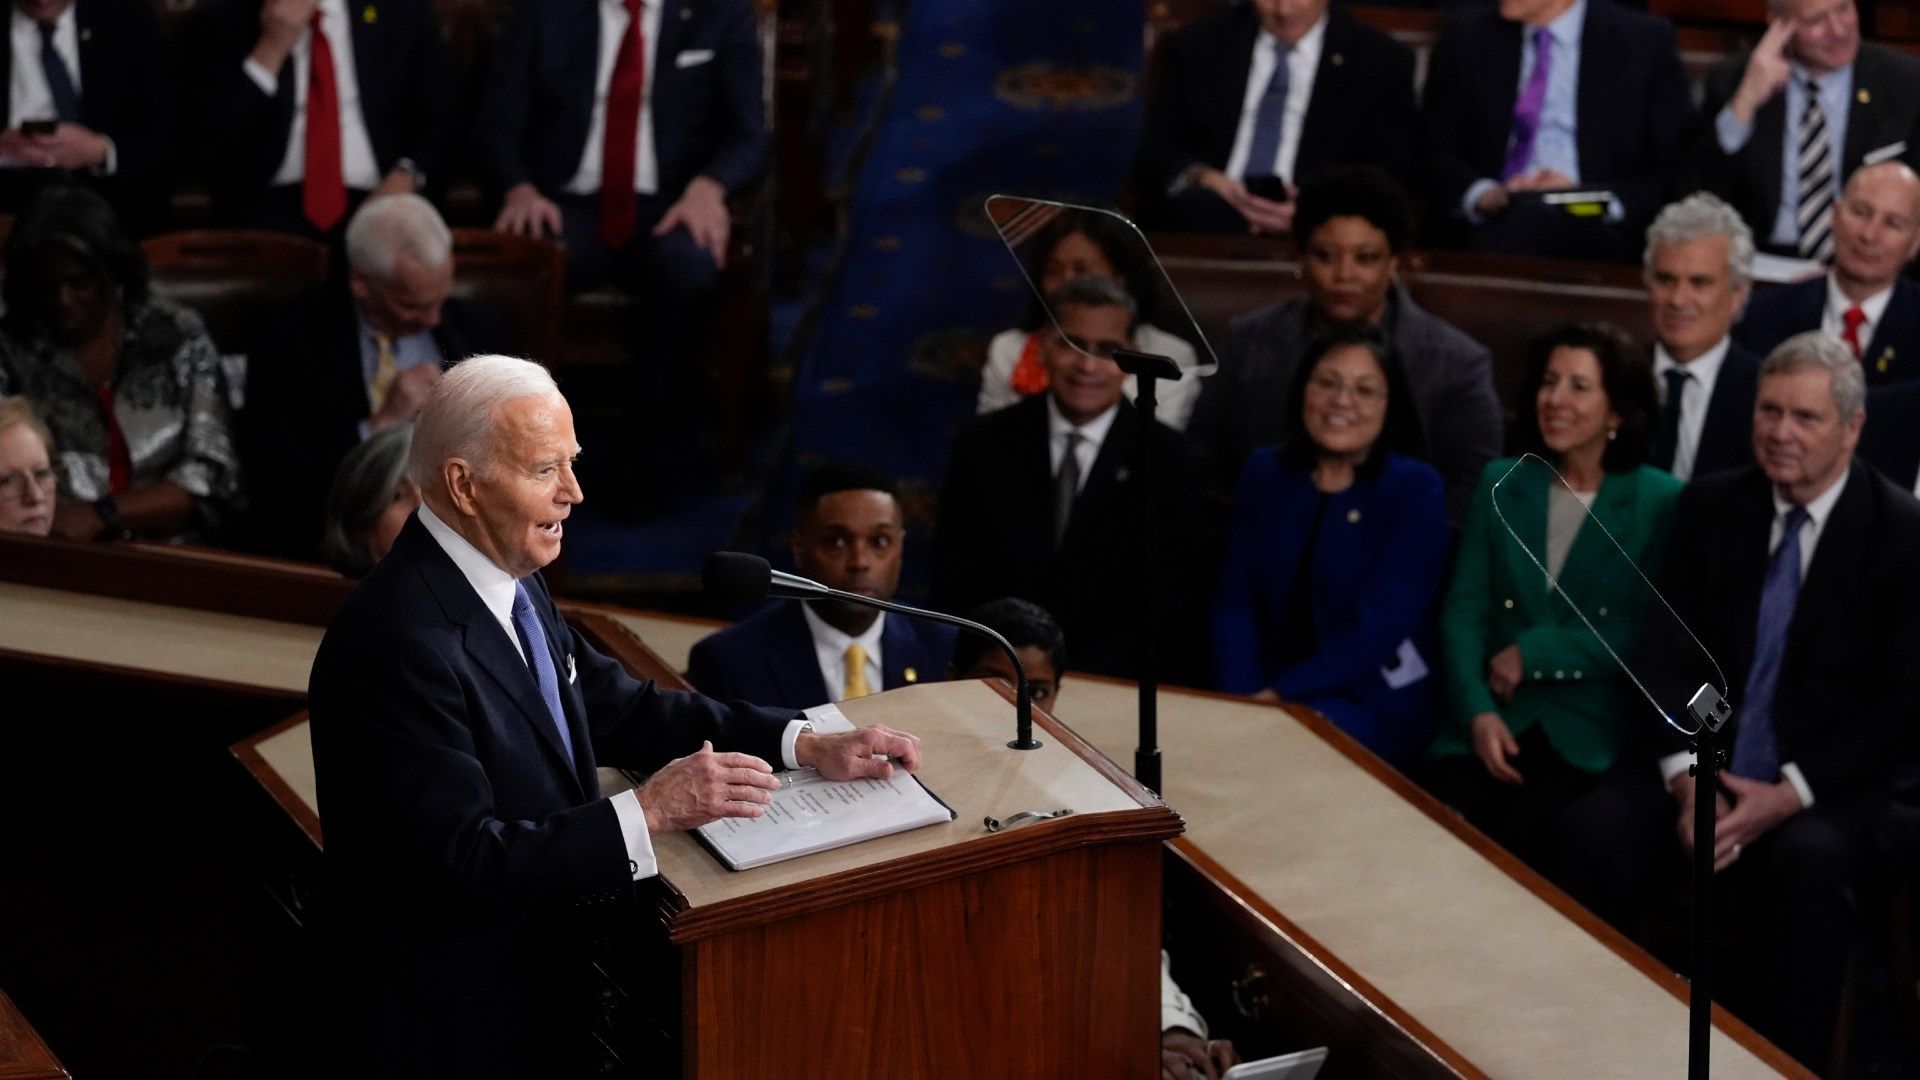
(1334, 557)
(1538, 709)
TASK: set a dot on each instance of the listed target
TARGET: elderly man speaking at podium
(457, 724)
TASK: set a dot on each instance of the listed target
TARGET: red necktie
(119, 460)
(1851, 319)
(324, 193)
(618, 207)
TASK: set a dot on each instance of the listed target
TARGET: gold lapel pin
(1864, 95)
(1337, 59)
(1886, 358)
(911, 675)
(86, 34)
(686, 14)
(368, 15)
(1353, 516)
(1121, 474)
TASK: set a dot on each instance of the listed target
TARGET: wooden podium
(945, 951)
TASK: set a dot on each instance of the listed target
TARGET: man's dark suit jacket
(460, 839)
(1633, 111)
(1362, 111)
(1850, 676)
(708, 117)
(1449, 375)
(994, 537)
(126, 94)
(1726, 439)
(400, 60)
(1891, 440)
(306, 398)
(1888, 114)
(768, 658)
(1893, 356)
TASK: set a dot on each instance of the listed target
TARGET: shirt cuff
(267, 81)
(1176, 1009)
(1472, 199)
(1730, 132)
(1673, 765)
(1189, 177)
(633, 830)
(825, 719)
(1791, 773)
(112, 164)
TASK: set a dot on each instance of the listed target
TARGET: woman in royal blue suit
(1334, 557)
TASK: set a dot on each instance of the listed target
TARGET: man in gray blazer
(1352, 225)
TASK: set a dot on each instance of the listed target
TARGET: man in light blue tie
(457, 724)
(1800, 575)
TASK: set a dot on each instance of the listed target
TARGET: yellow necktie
(856, 673)
(383, 372)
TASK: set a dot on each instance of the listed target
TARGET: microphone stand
(1710, 711)
(1147, 369)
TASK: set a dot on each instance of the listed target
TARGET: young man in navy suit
(457, 724)
(1699, 266)
(1863, 300)
(848, 535)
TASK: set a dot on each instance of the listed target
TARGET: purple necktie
(1526, 110)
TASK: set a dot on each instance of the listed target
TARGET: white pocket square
(572, 672)
(1885, 153)
(691, 57)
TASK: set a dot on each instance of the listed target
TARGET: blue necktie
(1755, 754)
(533, 640)
(1269, 118)
(66, 100)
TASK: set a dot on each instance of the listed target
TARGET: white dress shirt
(1092, 434)
(358, 168)
(1695, 395)
(495, 588)
(830, 649)
(1818, 511)
(1834, 319)
(613, 27)
(1303, 63)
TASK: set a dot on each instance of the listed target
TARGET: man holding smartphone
(85, 95)
(1789, 122)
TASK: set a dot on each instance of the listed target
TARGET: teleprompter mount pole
(1710, 712)
(1147, 370)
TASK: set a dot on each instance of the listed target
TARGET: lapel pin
(86, 34)
(368, 15)
(1337, 59)
(572, 671)
(686, 14)
(911, 675)
(1863, 96)
(1353, 516)
(1120, 475)
(1886, 358)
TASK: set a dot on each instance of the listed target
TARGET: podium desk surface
(963, 729)
(1474, 955)
(110, 632)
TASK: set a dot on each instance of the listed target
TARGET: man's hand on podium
(706, 786)
(853, 755)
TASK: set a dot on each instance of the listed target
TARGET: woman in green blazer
(1537, 709)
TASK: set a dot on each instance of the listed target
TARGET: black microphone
(738, 576)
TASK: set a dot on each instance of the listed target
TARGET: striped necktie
(1814, 208)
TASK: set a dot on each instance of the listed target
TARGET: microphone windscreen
(735, 575)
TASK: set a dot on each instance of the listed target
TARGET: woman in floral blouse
(129, 384)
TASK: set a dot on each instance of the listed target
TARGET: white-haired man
(457, 724)
(1699, 267)
(341, 363)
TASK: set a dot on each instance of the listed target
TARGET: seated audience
(1048, 500)
(1699, 270)
(372, 498)
(1259, 95)
(129, 383)
(27, 485)
(1790, 121)
(624, 139)
(1075, 243)
(1034, 636)
(351, 359)
(1800, 576)
(88, 99)
(1185, 1051)
(294, 146)
(1353, 226)
(1539, 709)
(1863, 300)
(1510, 115)
(1334, 556)
(848, 534)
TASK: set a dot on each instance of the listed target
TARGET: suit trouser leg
(1617, 843)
